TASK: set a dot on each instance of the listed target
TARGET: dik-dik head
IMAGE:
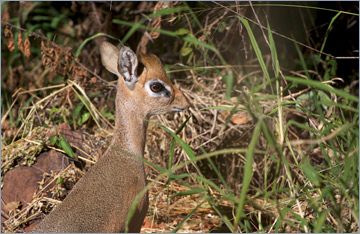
(150, 93)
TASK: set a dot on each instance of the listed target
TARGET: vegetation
(270, 144)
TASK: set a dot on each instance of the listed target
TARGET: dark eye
(156, 87)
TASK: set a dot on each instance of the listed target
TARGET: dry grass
(283, 195)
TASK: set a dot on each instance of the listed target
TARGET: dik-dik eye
(156, 87)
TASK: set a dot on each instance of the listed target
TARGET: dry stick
(78, 156)
(88, 155)
(288, 38)
(259, 23)
(94, 74)
(25, 220)
(216, 21)
(318, 141)
(292, 96)
(8, 111)
(96, 13)
(3, 214)
(45, 88)
(294, 194)
(16, 92)
(288, 174)
(197, 82)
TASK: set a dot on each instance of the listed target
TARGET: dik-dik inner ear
(127, 66)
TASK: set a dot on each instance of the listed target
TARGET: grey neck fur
(128, 139)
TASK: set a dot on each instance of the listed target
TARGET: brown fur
(100, 201)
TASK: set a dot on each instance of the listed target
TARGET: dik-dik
(100, 201)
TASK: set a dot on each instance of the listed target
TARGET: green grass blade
(302, 6)
(257, 50)
(225, 108)
(302, 60)
(165, 32)
(322, 86)
(182, 143)
(66, 147)
(229, 78)
(328, 30)
(310, 172)
(195, 41)
(247, 173)
(273, 51)
(218, 174)
(188, 192)
(89, 39)
(137, 25)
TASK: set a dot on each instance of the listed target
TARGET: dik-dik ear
(120, 62)
(109, 57)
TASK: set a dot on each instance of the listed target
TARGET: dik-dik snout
(151, 92)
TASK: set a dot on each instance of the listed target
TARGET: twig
(96, 13)
(259, 23)
(318, 141)
(94, 74)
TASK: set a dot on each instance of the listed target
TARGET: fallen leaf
(93, 80)
(239, 119)
(12, 206)
(10, 39)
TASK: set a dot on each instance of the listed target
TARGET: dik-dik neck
(130, 128)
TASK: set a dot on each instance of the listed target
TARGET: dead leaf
(239, 119)
(20, 42)
(78, 73)
(93, 80)
(148, 224)
(10, 39)
(12, 206)
(24, 45)
(154, 23)
(27, 45)
(5, 16)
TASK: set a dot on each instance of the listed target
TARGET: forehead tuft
(154, 69)
(152, 63)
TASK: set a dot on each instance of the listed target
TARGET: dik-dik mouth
(178, 109)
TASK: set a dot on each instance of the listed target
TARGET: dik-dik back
(100, 201)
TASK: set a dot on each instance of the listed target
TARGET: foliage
(271, 143)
